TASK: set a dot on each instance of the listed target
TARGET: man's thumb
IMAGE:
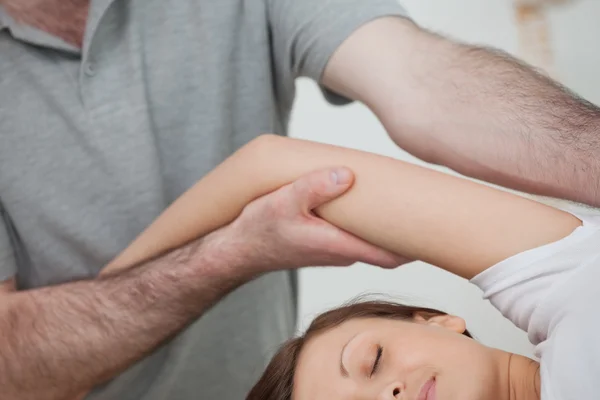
(317, 188)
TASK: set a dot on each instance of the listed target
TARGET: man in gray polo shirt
(110, 109)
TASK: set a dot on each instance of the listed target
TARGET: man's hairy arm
(56, 342)
(476, 110)
(59, 342)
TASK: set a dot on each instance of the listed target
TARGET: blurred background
(559, 36)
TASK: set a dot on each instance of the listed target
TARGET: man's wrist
(219, 255)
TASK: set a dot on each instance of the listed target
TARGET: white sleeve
(525, 287)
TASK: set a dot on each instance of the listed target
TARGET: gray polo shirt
(94, 144)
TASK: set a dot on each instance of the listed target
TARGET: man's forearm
(485, 114)
(475, 110)
(59, 341)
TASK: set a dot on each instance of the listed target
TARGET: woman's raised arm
(453, 223)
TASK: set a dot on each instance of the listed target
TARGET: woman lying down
(538, 265)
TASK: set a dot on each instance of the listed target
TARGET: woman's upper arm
(453, 223)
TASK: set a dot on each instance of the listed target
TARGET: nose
(392, 391)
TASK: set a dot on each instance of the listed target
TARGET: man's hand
(282, 231)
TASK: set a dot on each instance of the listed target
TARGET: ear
(451, 322)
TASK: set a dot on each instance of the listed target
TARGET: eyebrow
(343, 369)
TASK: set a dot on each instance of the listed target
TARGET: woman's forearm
(450, 222)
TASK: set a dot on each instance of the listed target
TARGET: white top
(553, 293)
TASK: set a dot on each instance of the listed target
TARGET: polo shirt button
(90, 69)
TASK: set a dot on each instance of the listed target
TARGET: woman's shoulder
(536, 288)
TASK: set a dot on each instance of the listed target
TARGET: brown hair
(277, 381)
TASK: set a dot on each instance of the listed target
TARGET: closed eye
(377, 360)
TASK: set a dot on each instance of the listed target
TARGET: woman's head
(380, 350)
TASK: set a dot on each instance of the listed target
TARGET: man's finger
(317, 188)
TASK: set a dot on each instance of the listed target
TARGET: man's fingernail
(341, 176)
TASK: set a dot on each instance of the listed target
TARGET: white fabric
(552, 292)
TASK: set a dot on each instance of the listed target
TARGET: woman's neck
(523, 378)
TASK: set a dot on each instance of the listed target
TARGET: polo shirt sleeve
(8, 267)
(305, 33)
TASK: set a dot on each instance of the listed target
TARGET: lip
(428, 390)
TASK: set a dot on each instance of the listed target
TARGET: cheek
(416, 350)
(409, 358)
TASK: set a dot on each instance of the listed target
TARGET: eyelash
(377, 360)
